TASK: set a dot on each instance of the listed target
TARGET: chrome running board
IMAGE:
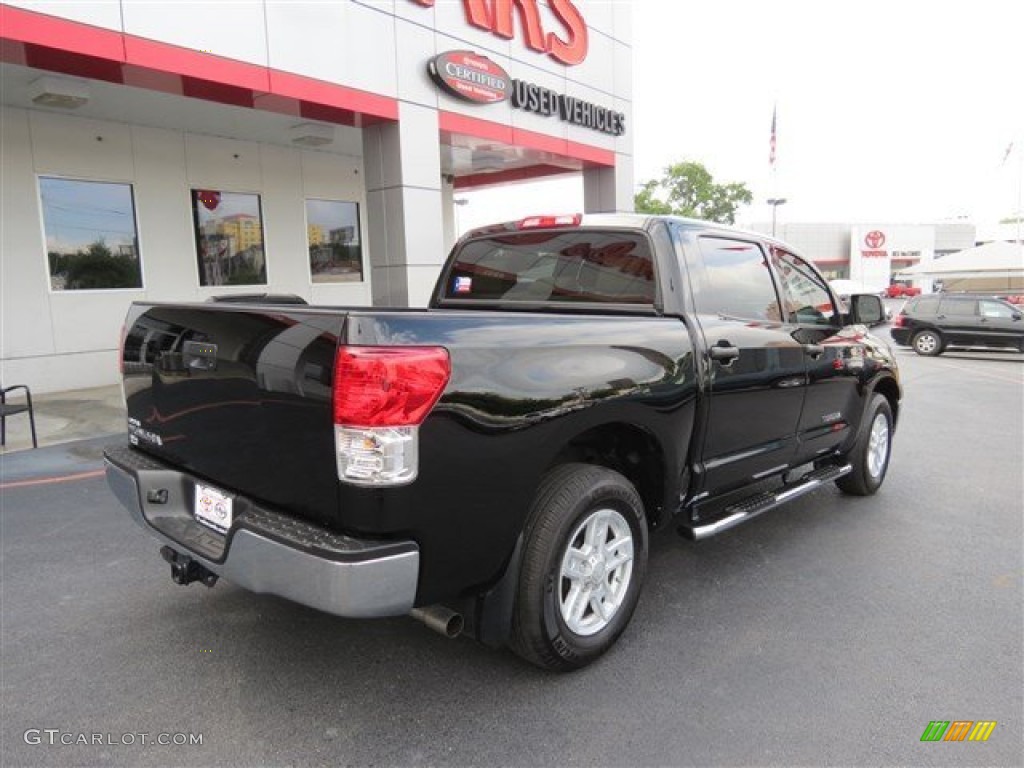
(752, 506)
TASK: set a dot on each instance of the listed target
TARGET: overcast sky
(888, 110)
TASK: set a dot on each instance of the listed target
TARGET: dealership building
(872, 253)
(152, 152)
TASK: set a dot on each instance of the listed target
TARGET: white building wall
(377, 46)
(369, 44)
(98, 13)
(56, 340)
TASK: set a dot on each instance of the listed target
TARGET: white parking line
(983, 374)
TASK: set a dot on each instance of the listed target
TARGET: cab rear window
(582, 266)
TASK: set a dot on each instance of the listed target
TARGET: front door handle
(814, 351)
(724, 353)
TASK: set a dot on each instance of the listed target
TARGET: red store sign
(468, 76)
(568, 46)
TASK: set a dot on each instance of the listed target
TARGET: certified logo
(470, 77)
(874, 239)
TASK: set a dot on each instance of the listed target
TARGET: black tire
(868, 472)
(572, 501)
(928, 343)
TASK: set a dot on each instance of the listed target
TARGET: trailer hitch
(185, 570)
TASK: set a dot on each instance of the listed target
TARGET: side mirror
(866, 309)
(1016, 315)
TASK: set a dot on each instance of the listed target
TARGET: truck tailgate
(239, 395)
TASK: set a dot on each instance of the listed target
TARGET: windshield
(563, 266)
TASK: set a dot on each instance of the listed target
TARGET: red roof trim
(48, 42)
(313, 91)
(453, 122)
(498, 178)
(165, 57)
(42, 29)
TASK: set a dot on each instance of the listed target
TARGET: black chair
(12, 409)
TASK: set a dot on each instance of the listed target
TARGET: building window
(335, 248)
(229, 238)
(92, 242)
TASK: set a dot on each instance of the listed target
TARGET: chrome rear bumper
(268, 552)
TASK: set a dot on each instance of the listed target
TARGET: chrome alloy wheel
(926, 343)
(878, 445)
(596, 571)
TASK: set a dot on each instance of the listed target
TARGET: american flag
(771, 143)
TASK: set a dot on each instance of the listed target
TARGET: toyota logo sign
(874, 239)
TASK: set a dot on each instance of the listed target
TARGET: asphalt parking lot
(831, 631)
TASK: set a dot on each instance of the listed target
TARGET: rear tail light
(381, 396)
(544, 222)
(899, 321)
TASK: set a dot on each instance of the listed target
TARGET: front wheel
(583, 566)
(927, 343)
(870, 453)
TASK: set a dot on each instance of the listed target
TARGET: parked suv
(931, 324)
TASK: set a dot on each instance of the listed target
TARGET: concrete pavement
(63, 417)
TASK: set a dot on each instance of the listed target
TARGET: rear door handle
(724, 353)
(814, 350)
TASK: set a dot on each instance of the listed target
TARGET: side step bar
(752, 506)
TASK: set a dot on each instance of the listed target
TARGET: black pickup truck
(498, 460)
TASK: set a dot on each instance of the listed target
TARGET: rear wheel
(870, 454)
(928, 343)
(583, 566)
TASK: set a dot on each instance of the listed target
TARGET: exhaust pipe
(440, 619)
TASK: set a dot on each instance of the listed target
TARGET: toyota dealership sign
(876, 251)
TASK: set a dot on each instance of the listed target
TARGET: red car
(900, 291)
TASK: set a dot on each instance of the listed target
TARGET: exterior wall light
(59, 92)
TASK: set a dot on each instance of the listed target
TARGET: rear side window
(924, 305)
(595, 266)
(996, 309)
(734, 281)
(958, 307)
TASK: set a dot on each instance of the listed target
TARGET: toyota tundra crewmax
(496, 462)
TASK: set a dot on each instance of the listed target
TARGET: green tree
(97, 267)
(688, 189)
